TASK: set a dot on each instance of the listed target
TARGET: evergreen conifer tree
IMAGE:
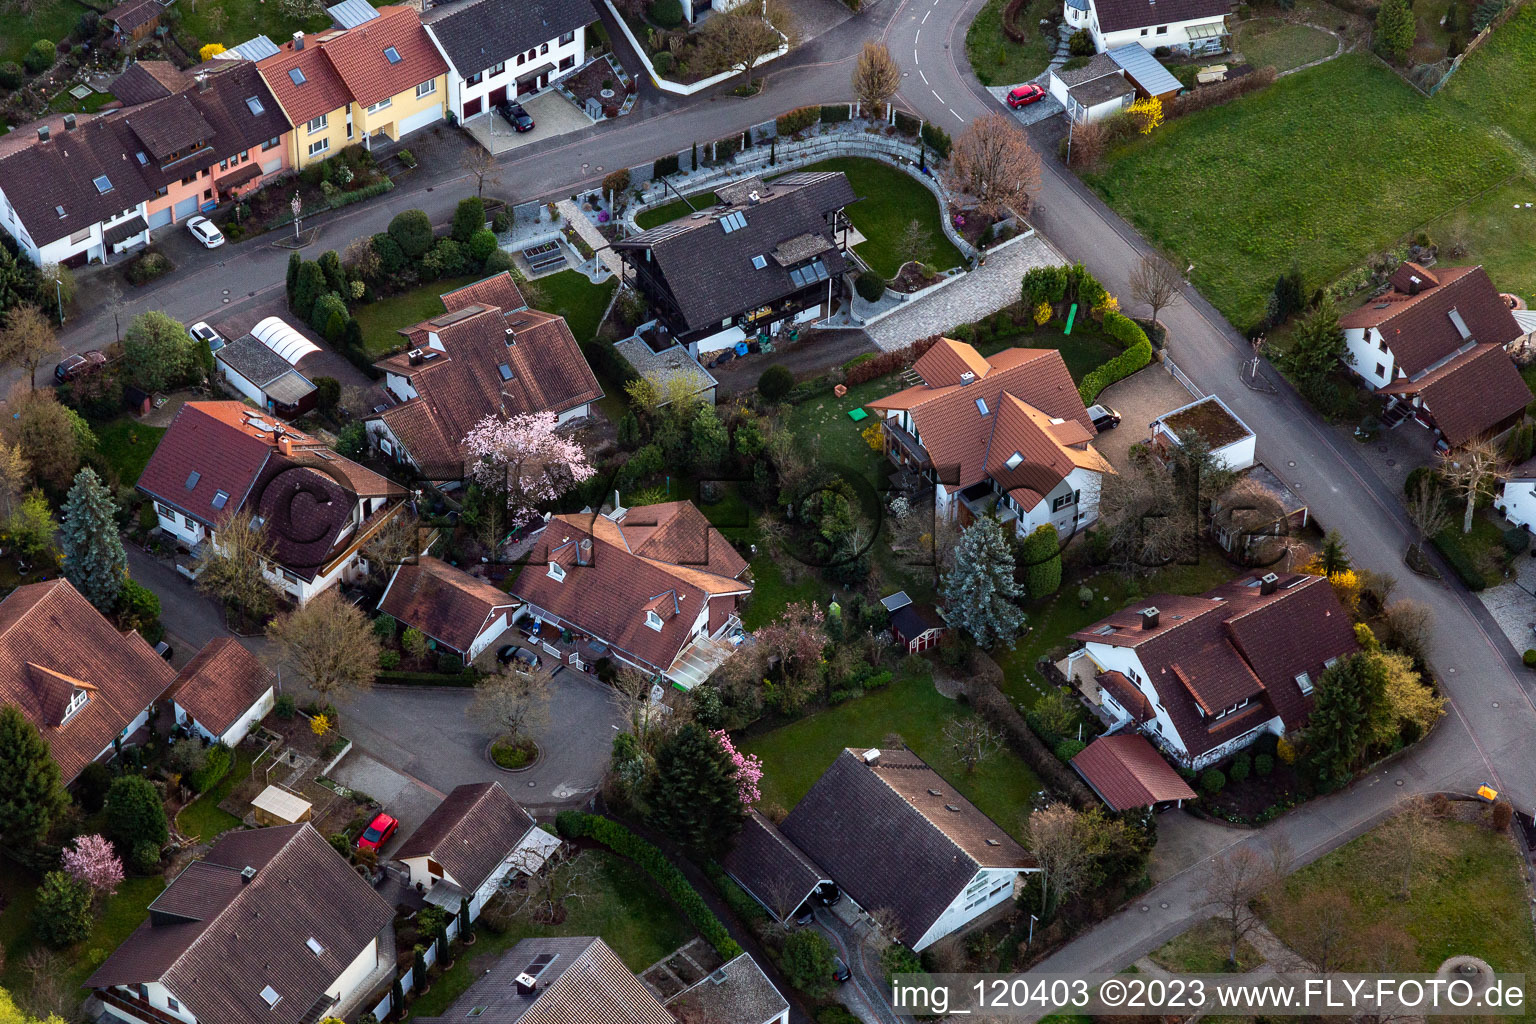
(31, 792)
(94, 559)
(980, 592)
(695, 798)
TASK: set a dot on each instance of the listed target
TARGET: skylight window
(193, 478)
(981, 407)
(269, 994)
(759, 262)
(60, 211)
(220, 499)
(142, 158)
(314, 946)
(809, 274)
(1014, 460)
(504, 370)
(296, 75)
(254, 105)
(1460, 324)
(733, 221)
(103, 184)
(392, 55)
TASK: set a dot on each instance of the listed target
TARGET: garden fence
(1477, 41)
(1178, 375)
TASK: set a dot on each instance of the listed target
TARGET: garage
(431, 115)
(160, 218)
(186, 208)
(498, 97)
(472, 107)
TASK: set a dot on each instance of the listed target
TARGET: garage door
(498, 96)
(471, 108)
(160, 218)
(186, 208)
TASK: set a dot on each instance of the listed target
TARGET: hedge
(665, 166)
(214, 768)
(342, 199)
(881, 363)
(400, 677)
(576, 825)
(1137, 354)
(835, 112)
(1011, 27)
(990, 704)
(797, 119)
(727, 147)
(938, 139)
(907, 124)
(1462, 560)
(609, 362)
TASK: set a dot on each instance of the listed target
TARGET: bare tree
(993, 164)
(330, 643)
(544, 890)
(1325, 941)
(1471, 470)
(1055, 837)
(739, 39)
(398, 541)
(649, 721)
(1409, 842)
(1408, 626)
(480, 164)
(1156, 283)
(876, 77)
(1143, 516)
(233, 567)
(916, 240)
(1087, 143)
(1427, 510)
(47, 996)
(513, 702)
(972, 741)
(1236, 880)
(14, 475)
(27, 340)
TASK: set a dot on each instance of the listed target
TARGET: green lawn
(127, 445)
(53, 20)
(64, 103)
(1472, 901)
(795, 755)
(572, 295)
(998, 60)
(202, 816)
(239, 20)
(1084, 350)
(668, 212)
(1497, 232)
(623, 906)
(1203, 950)
(1270, 42)
(382, 319)
(1320, 169)
(1479, 87)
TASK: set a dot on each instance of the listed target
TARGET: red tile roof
(221, 683)
(53, 643)
(1126, 772)
(1417, 326)
(446, 603)
(322, 90)
(1471, 395)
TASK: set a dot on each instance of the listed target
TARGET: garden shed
(277, 806)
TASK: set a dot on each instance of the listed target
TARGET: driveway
(864, 993)
(552, 115)
(407, 798)
(1139, 399)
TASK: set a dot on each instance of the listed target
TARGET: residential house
(657, 585)
(667, 365)
(1230, 442)
(470, 843)
(381, 80)
(489, 354)
(319, 509)
(773, 870)
(271, 927)
(74, 190)
(1127, 773)
(1094, 90)
(569, 979)
(1204, 676)
(1189, 27)
(458, 613)
(1005, 435)
(223, 692)
(1434, 345)
(769, 256)
(896, 838)
(1262, 514)
(1517, 495)
(84, 685)
(256, 372)
(493, 58)
(915, 627)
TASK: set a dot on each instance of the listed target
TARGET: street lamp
(1031, 939)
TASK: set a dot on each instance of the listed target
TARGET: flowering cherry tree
(749, 769)
(525, 459)
(92, 860)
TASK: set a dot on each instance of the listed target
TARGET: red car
(378, 831)
(1025, 94)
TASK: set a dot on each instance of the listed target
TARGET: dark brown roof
(53, 643)
(470, 833)
(1471, 395)
(1210, 418)
(221, 683)
(913, 620)
(771, 868)
(1127, 694)
(446, 603)
(582, 982)
(1126, 772)
(215, 943)
(478, 34)
(1418, 327)
(1118, 15)
(133, 13)
(148, 80)
(895, 835)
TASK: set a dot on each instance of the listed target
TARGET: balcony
(981, 500)
(903, 448)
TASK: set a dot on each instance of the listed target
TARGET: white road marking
(925, 16)
(914, 55)
(936, 95)
(957, 116)
(915, 39)
(924, 77)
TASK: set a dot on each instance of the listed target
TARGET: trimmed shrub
(870, 286)
(1241, 766)
(835, 112)
(1263, 765)
(797, 119)
(445, 259)
(1080, 44)
(412, 230)
(727, 147)
(907, 124)
(881, 363)
(325, 308)
(665, 165)
(667, 13)
(498, 261)
(998, 710)
(1217, 94)
(11, 75)
(664, 63)
(1138, 354)
(468, 218)
(392, 258)
(1066, 750)
(576, 825)
(1464, 561)
(616, 182)
(1213, 781)
(481, 244)
(1529, 658)
(775, 382)
(938, 139)
(215, 767)
(39, 57)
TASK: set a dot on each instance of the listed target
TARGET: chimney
(526, 984)
(298, 40)
(967, 378)
(1149, 617)
(42, 133)
(285, 444)
(511, 337)
(1268, 582)
(203, 85)
(1413, 284)
(69, 122)
(584, 551)
(414, 356)
(754, 198)
(247, 873)
(872, 755)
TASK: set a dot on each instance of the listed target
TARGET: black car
(840, 971)
(525, 658)
(1104, 418)
(516, 116)
(806, 914)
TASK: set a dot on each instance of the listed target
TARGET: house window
(143, 991)
(533, 53)
(392, 55)
(653, 620)
(383, 104)
(556, 571)
(318, 124)
(498, 69)
(567, 38)
(543, 49)
(1330, 663)
(1060, 502)
(76, 702)
(566, 63)
(316, 148)
(1145, 31)
(522, 58)
(426, 88)
(165, 511)
(1305, 682)
(270, 997)
(290, 577)
(1162, 30)
(271, 143)
(80, 236)
(475, 79)
(981, 406)
(172, 1004)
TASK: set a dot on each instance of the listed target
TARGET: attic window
(193, 478)
(392, 55)
(1105, 630)
(220, 499)
(476, 1011)
(1461, 325)
(934, 792)
(556, 571)
(103, 184)
(759, 262)
(993, 842)
(314, 946)
(253, 104)
(653, 620)
(733, 221)
(1330, 663)
(504, 370)
(142, 158)
(981, 407)
(269, 994)
(60, 211)
(296, 76)
(1014, 460)
(76, 702)
(952, 808)
(1305, 682)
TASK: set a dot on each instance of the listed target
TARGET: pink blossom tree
(525, 459)
(749, 769)
(93, 861)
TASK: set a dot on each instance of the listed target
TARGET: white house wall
(1368, 356)
(241, 385)
(159, 997)
(460, 93)
(1518, 502)
(1174, 34)
(357, 971)
(527, 857)
(986, 889)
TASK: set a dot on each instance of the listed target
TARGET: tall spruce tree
(31, 792)
(980, 592)
(695, 798)
(1348, 699)
(94, 559)
(1040, 555)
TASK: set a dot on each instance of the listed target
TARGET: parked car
(378, 831)
(1024, 95)
(200, 331)
(206, 232)
(840, 971)
(523, 656)
(78, 365)
(806, 914)
(827, 894)
(1104, 418)
(515, 115)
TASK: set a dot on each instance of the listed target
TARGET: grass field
(668, 212)
(1084, 350)
(64, 103)
(202, 817)
(1270, 42)
(572, 295)
(998, 60)
(127, 445)
(1322, 168)
(382, 319)
(1203, 950)
(52, 20)
(622, 905)
(795, 755)
(1480, 89)
(1470, 901)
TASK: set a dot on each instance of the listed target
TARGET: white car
(204, 231)
(200, 331)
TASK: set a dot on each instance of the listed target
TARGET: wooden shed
(278, 806)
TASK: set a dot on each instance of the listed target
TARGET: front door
(471, 108)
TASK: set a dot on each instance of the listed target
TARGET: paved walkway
(589, 234)
(982, 292)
